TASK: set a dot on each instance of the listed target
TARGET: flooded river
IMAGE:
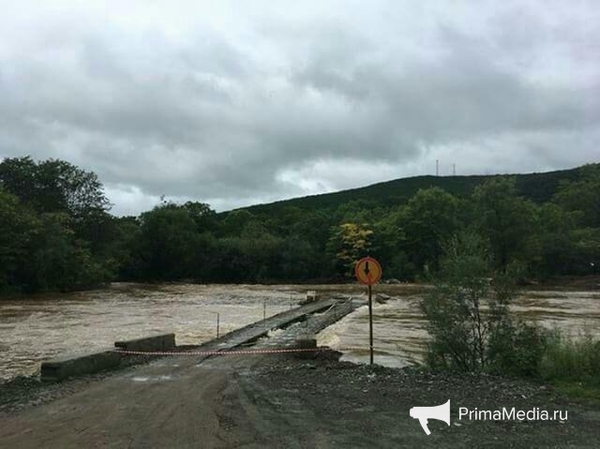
(40, 327)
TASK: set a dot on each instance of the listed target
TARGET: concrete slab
(154, 343)
(78, 364)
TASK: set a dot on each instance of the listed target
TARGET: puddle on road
(151, 378)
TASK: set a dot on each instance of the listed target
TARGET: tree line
(57, 233)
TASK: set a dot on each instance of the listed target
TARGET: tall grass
(567, 359)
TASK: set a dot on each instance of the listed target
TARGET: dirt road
(282, 402)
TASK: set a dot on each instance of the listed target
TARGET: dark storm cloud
(262, 104)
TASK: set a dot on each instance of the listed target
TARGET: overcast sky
(235, 103)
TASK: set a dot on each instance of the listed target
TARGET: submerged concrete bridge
(175, 401)
(87, 363)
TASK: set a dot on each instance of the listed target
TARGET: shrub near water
(517, 349)
(469, 319)
(473, 330)
(571, 360)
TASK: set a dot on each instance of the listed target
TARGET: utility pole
(453, 169)
(437, 167)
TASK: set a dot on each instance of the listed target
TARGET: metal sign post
(368, 272)
(370, 324)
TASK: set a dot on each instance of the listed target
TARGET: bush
(469, 318)
(517, 349)
(571, 360)
(455, 307)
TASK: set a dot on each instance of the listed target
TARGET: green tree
(508, 221)
(235, 221)
(585, 257)
(467, 310)
(204, 217)
(53, 186)
(358, 211)
(430, 221)
(69, 232)
(264, 251)
(124, 249)
(454, 308)
(301, 261)
(580, 201)
(556, 241)
(18, 230)
(231, 262)
(167, 242)
(389, 244)
(313, 227)
(61, 261)
(582, 197)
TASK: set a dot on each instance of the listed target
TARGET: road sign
(368, 271)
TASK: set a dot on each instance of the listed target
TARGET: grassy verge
(572, 366)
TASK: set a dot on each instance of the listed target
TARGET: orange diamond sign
(368, 271)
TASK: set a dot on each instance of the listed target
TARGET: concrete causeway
(174, 401)
(88, 363)
(261, 328)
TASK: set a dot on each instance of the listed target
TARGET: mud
(280, 401)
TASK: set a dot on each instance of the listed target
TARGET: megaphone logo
(441, 412)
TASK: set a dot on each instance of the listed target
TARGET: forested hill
(57, 233)
(538, 187)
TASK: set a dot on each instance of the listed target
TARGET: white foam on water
(40, 327)
(140, 379)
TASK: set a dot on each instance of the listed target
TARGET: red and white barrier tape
(224, 352)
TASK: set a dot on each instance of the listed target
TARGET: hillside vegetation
(538, 187)
(56, 232)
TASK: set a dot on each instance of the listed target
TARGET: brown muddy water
(37, 328)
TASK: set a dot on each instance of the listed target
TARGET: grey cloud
(206, 114)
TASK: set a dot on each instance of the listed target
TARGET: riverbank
(575, 283)
(257, 400)
(24, 392)
(363, 406)
(38, 329)
(282, 401)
